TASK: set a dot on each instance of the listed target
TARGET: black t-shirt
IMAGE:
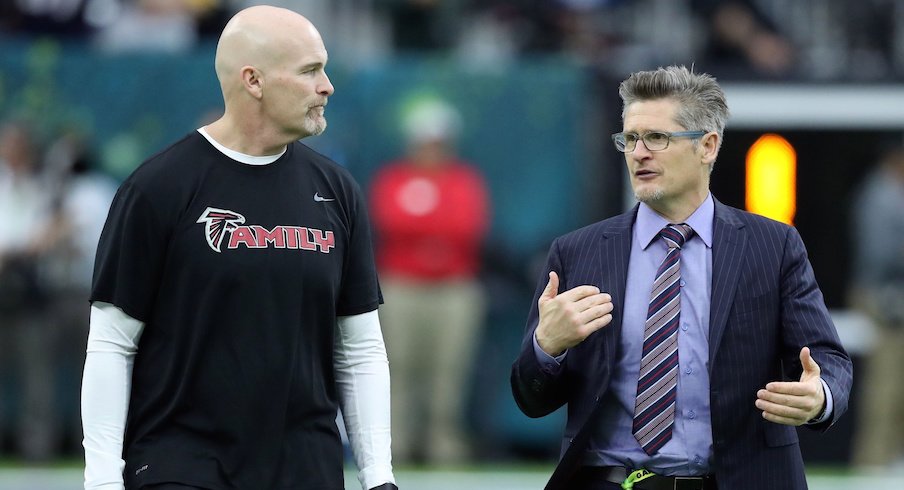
(239, 273)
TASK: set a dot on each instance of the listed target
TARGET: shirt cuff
(106, 486)
(375, 476)
(827, 413)
(548, 362)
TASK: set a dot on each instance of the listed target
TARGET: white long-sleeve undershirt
(362, 377)
(106, 384)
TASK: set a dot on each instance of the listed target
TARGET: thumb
(811, 369)
(552, 287)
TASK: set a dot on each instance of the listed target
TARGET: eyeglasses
(654, 140)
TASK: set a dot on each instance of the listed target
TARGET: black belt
(618, 474)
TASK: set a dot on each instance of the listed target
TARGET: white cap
(430, 120)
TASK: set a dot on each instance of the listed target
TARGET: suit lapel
(729, 242)
(614, 251)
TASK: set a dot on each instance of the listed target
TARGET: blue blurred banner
(522, 122)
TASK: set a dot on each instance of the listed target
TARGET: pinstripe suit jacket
(765, 306)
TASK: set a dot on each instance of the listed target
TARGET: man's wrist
(819, 416)
(543, 344)
(386, 486)
(827, 405)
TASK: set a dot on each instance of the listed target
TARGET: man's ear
(253, 81)
(709, 145)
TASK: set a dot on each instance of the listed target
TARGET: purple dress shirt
(689, 452)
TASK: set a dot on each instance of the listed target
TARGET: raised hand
(794, 402)
(567, 319)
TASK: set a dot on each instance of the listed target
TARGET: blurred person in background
(166, 26)
(686, 338)
(51, 221)
(25, 340)
(431, 212)
(741, 42)
(58, 18)
(874, 39)
(234, 301)
(878, 291)
(422, 25)
(118, 25)
(567, 27)
(81, 199)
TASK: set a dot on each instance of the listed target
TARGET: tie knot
(676, 235)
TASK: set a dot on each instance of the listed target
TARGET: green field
(496, 477)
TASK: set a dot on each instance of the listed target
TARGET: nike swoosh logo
(319, 198)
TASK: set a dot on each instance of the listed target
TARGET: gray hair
(701, 102)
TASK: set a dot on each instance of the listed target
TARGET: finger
(805, 406)
(578, 293)
(798, 388)
(811, 369)
(802, 402)
(778, 419)
(552, 287)
(780, 410)
(595, 312)
(598, 323)
(592, 301)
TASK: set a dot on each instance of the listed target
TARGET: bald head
(261, 37)
(271, 63)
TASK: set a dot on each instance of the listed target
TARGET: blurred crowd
(52, 207)
(741, 39)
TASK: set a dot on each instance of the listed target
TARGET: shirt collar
(649, 223)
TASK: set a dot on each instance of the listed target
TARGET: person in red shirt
(431, 212)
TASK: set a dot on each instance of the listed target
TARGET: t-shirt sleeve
(130, 254)
(360, 291)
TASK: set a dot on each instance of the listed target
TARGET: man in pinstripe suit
(746, 351)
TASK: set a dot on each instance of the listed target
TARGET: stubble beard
(315, 124)
(649, 195)
(319, 127)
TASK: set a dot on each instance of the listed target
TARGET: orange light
(772, 178)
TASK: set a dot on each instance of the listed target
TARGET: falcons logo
(218, 222)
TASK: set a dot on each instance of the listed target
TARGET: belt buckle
(688, 483)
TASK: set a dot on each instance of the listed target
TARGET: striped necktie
(657, 386)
